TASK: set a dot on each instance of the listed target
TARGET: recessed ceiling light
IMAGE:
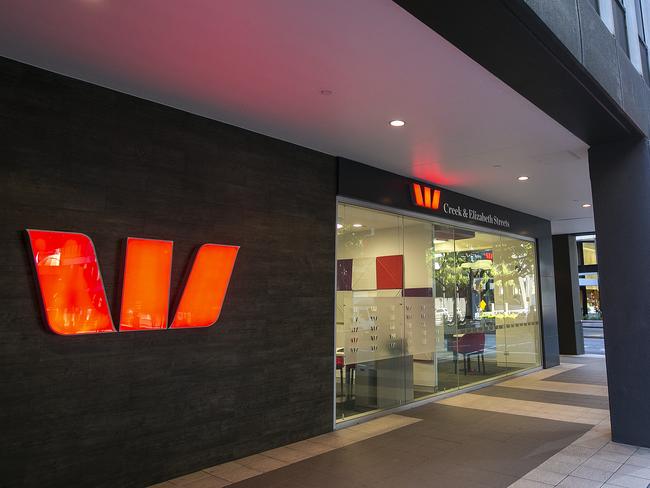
(397, 123)
(357, 225)
(339, 226)
(523, 178)
(586, 205)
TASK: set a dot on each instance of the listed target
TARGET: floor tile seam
(583, 381)
(489, 392)
(476, 398)
(172, 482)
(586, 398)
(555, 418)
(558, 388)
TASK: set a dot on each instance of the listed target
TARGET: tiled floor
(549, 428)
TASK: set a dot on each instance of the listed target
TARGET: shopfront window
(588, 278)
(424, 308)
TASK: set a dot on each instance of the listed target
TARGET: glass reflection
(423, 308)
(70, 282)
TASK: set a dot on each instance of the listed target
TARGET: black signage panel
(363, 182)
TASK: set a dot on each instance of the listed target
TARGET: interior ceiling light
(339, 226)
(586, 205)
(357, 225)
(523, 178)
(397, 123)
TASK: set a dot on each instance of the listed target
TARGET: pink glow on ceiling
(434, 173)
(262, 64)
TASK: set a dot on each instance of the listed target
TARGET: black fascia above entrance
(508, 39)
(362, 182)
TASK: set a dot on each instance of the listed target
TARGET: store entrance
(424, 308)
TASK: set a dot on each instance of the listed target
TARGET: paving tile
(209, 482)
(592, 473)
(545, 476)
(313, 448)
(524, 483)
(287, 455)
(262, 463)
(188, 478)
(559, 466)
(595, 442)
(569, 459)
(632, 470)
(575, 482)
(642, 460)
(611, 456)
(628, 481)
(620, 448)
(333, 441)
(233, 472)
(579, 451)
(597, 463)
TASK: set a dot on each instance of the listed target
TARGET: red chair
(340, 363)
(468, 344)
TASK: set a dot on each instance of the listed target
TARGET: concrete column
(567, 295)
(620, 181)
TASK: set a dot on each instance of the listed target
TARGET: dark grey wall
(131, 409)
(620, 179)
(567, 293)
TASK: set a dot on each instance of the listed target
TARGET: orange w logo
(423, 196)
(74, 298)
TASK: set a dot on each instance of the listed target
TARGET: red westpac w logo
(74, 298)
(426, 197)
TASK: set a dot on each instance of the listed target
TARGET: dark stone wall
(620, 178)
(131, 409)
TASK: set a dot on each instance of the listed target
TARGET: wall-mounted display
(145, 292)
(70, 282)
(74, 298)
(206, 286)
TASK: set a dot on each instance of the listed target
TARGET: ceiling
(326, 75)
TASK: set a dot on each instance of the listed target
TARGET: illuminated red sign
(424, 196)
(74, 298)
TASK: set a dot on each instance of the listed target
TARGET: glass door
(370, 373)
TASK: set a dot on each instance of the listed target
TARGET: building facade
(355, 290)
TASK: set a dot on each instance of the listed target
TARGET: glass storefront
(424, 308)
(588, 278)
